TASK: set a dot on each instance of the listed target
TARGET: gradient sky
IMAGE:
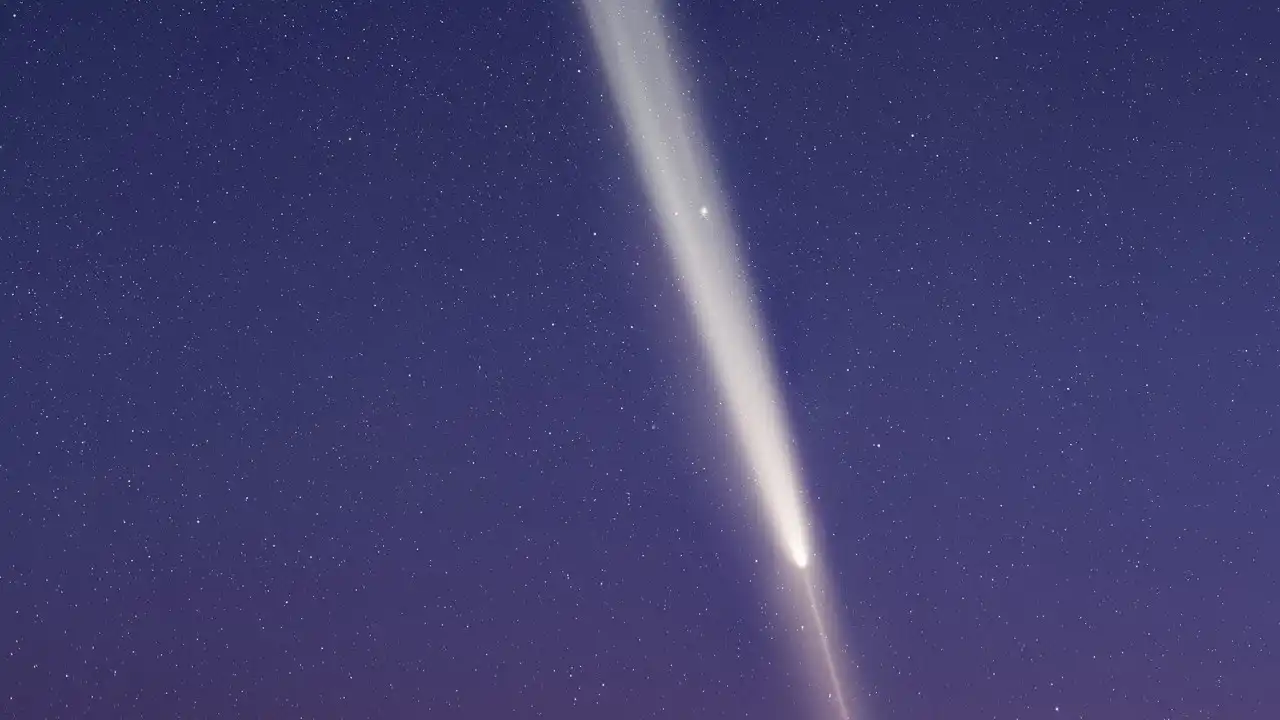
(344, 376)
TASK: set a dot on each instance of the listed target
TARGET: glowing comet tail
(632, 41)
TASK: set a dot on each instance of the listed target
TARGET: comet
(638, 53)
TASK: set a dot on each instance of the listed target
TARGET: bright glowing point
(667, 145)
(801, 558)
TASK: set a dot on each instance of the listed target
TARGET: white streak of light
(828, 656)
(667, 144)
(677, 172)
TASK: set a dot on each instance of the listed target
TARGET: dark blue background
(343, 375)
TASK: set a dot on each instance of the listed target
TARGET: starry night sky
(344, 375)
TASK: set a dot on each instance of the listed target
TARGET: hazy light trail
(828, 657)
(667, 145)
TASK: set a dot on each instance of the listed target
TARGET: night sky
(344, 375)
